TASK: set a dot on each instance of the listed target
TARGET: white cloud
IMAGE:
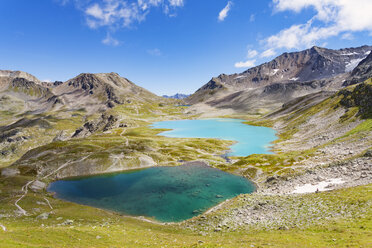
(250, 62)
(332, 18)
(110, 41)
(225, 11)
(347, 36)
(246, 64)
(176, 3)
(267, 53)
(95, 11)
(251, 53)
(116, 14)
(154, 52)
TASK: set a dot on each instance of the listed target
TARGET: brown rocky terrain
(29, 108)
(92, 92)
(266, 87)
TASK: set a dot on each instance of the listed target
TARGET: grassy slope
(97, 228)
(125, 146)
(38, 136)
(281, 162)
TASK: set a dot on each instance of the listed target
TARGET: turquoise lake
(250, 139)
(167, 194)
(172, 194)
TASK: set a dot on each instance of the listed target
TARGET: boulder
(61, 136)
(37, 186)
(368, 154)
(67, 223)
(43, 216)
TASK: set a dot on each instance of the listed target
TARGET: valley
(319, 102)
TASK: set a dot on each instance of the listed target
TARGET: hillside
(100, 123)
(93, 92)
(34, 113)
(322, 136)
(266, 87)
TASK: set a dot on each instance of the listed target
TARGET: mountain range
(93, 103)
(177, 96)
(92, 92)
(266, 87)
(318, 101)
(260, 89)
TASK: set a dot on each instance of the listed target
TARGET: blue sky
(170, 46)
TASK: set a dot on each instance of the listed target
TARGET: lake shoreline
(215, 128)
(169, 194)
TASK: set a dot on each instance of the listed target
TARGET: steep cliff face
(362, 72)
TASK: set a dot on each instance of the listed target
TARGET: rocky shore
(350, 173)
(284, 202)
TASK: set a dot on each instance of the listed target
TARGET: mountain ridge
(178, 96)
(86, 90)
(291, 74)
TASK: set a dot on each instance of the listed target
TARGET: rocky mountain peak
(90, 92)
(285, 77)
(97, 85)
(85, 81)
(316, 63)
(315, 49)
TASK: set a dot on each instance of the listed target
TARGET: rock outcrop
(104, 123)
(360, 96)
(30, 88)
(37, 186)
